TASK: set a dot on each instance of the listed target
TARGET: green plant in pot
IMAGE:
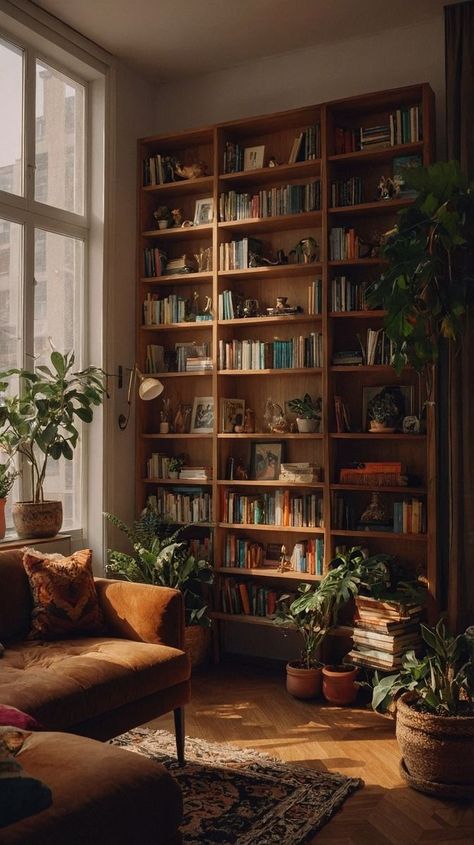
(314, 613)
(425, 288)
(175, 466)
(434, 697)
(7, 480)
(308, 413)
(161, 557)
(39, 423)
(383, 412)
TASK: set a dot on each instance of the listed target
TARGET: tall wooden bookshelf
(329, 448)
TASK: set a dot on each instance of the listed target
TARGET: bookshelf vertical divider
(290, 174)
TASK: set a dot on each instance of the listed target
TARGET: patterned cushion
(65, 601)
(16, 718)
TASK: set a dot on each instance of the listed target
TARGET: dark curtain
(459, 43)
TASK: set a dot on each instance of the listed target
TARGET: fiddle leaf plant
(39, 422)
(427, 284)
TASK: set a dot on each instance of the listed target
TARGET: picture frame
(232, 413)
(202, 417)
(203, 212)
(404, 398)
(265, 460)
(253, 157)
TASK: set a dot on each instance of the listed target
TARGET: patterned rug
(235, 797)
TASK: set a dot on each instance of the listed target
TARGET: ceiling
(167, 40)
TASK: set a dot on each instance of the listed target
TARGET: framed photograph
(402, 396)
(232, 412)
(203, 212)
(266, 460)
(253, 157)
(202, 417)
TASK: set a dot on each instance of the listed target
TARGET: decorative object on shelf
(371, 246)
(383, 408)
(202, 418)
(232, 413)
(388, 188)
(253, 157)
(203, 213)
(190, 171)
(265, 460)
(375, 516)
(282, 309)
(182, 419)
(177, 217)
(411, 424)
(7, 480)
(343, 420)
(275, 420)
(174, 466)
(285, 564)
(306, 251)
(241, 472)
(165, 416)
(204, 259)
(424, 288)
(308, 413)
(163, 217)
(434, 697)
(272, 162)
(249, 421)
(39, 424)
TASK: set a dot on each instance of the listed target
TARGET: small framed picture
(253, 157)
(232, 412)
(266, 460)
(203, 212)
(399, 396)
(202, 417)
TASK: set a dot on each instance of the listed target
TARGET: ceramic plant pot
(37, 519)
(437, 751)
(380, 428)
(3, 527)
(303, 683)
(306, 426)
(338, 684)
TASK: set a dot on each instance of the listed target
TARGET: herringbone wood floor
(248, 707)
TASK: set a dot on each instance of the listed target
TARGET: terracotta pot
(338, 684)
(303, 683)
(381, 428)
(438, 751)
(197, 640)
(41, 519)
(306, 426)
(3, 526)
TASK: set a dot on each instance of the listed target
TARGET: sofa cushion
(21, 794)
(65, 683)
(65, 600)
(15, 597)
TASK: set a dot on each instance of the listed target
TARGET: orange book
(244, 598)
(286, 508)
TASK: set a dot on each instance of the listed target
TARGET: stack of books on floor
(303, 472)
(195, 474)
(384, 631)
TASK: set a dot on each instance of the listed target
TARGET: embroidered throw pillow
(65, 602)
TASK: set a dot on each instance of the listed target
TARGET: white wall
(398, 57)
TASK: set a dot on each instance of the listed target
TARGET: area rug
(236, 797)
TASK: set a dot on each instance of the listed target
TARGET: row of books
(229, 303)
(233, 157)
(347, 192)
(158, 170)
(409, 517)
(343, 244)
(306, 145)
(307, 555)
(285, 199)
(376, 347)
(195, 473)
(247, 598)
(403, 126)
(183, 505)
(155, 261)
(279, 507)
(406, 126)
(165, 310)
(384, 632)
(236, 255)
(347, 295)
(191, 357)
(351, 357)
(315, 297)
(374, 137)
(297, 352)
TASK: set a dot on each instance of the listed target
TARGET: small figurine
(240, 471)
(272, 162)
(306, 251)
(285, 564)
(249, 421)
(190, 171)
(177, 215)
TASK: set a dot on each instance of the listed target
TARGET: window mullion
(29, 126)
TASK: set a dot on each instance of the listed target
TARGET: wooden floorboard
(248, 707)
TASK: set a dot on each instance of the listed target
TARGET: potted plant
(39, 423)
(163, 217)
(314, 612)
(383, 412)
(174, 466)
(425, 285)
(308, 413)
(7, 480)
(162, 557)
(434, 698)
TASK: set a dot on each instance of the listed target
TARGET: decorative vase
(37, 519)
(173, 474)
(303, 683)
(3, 526)
(164, 427)
(437, 751)
(162, 224)
(338, 684)
(306, 426)
(197, 640)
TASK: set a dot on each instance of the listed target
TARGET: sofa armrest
(142, 612)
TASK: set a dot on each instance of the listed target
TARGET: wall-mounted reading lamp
(148, 388)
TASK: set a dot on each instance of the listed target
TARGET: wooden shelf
(312, 485)
(198, 374)
(357, 315)
(357, 262)
(364, 488)
(300, 170)
(202, 185)
(182, 327)
(362, 368)
(281, 223)
(372, 435)
(294, 371)
(380, 206)
(178, 279)
(271, 321)
(263, 436)
(182, 482)
(385, 154)
(272, 271)
(281, 529)
(190, 436)
(385, 535)
(266, 573)
(179, 234)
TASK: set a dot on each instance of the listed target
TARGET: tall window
(43, 228)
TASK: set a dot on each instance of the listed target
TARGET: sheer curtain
(459, 42)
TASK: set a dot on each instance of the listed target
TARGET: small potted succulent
(174, 466)
(163, 217)
(7, 479)
(383, 413)
(308, 413)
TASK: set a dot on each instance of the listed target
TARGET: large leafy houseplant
(40, 421)
(161, 557)
(426, 286)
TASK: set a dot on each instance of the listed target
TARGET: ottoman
(101, 794)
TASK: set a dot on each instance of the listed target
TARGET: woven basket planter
(197, 642)
(437, 751)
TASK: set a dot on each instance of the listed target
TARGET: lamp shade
(150, 388)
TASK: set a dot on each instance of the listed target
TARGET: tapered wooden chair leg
(179, 732)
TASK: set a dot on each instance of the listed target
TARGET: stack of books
(374, 137)
(195, 473)
(374, 474)
(384, 631)
(347, 357)
(303, 472)
(183, 264)
(308, 555)
(198, 365)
